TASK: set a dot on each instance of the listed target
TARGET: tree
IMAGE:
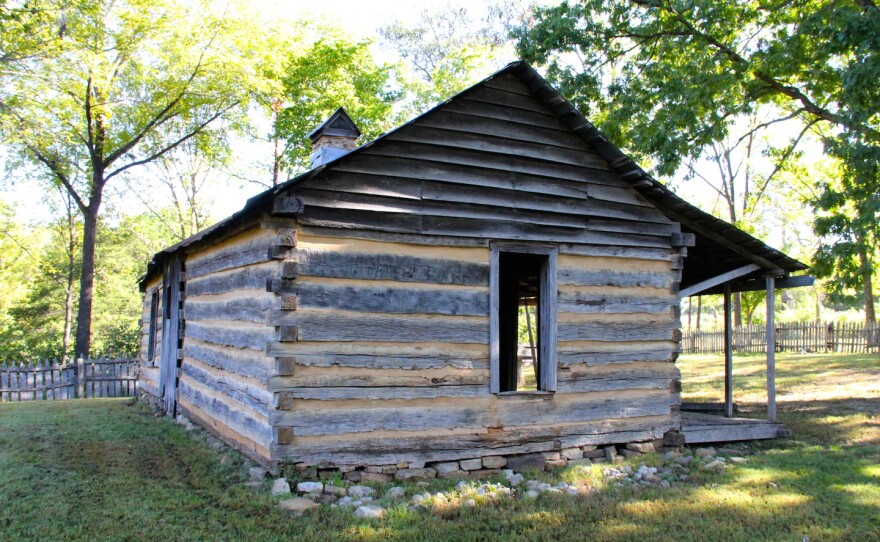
(668, 78)
(109, 86)
(449, 48)
(330, 73)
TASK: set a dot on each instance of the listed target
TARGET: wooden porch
(698, 428)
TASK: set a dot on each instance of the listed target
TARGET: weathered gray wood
(395, 267)
(462, 157)
(570, 276)
(330, 326)
(236, 419)
(518, 132)
(602, 357)
(230, 258)
(324, 382)
(494, 320)
(590, 303)
(728, 354)
(702, 428)
(489, 176)
(383, 451)
(499, 137)
(378, 358)
(256, 397)
(246, 309)
(613, 384)
(548, 316)
(516, 198)
(391, 300)
(318, 421)
(616, 331)
(246, 278)
(771, 348)
(469, 106)
(171, 332)
(365, 202)
(387, 393)
(720, 279)
(518, 231)
(238, 336)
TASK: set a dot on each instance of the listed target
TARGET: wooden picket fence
(49, 380)
(808, 336)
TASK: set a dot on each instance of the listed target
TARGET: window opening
(520, 321)
(154, 317)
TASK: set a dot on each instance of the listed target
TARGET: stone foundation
(482, 467)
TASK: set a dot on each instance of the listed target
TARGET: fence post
(80, 378)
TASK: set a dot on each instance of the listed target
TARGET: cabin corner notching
(368, 312)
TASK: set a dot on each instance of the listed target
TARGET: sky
(362, 19)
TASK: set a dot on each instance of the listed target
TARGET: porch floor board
(700, 428)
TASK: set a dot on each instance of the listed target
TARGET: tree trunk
(868, 277)
(71, 275)
(87, 279)
(737, 310)
(699, 310)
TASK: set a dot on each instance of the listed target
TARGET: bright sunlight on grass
(108, 470)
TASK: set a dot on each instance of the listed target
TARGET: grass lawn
(108, 470)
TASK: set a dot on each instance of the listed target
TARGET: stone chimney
(335, 138)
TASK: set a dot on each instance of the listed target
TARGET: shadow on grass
(101, 470)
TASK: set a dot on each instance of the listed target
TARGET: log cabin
(366, 312)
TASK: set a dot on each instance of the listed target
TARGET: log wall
(352, 328)
(225, 368)
(148, 376)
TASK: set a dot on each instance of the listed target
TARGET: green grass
(108, 470)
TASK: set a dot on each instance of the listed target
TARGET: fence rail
(810, 336)
(49, 380)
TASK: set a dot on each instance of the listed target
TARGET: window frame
(153, 325)
(547, 331)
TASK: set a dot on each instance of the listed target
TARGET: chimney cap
(339, 124)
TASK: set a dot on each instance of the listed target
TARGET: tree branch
(174, 144)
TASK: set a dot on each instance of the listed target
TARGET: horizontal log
(569, 276)
(236, 417)
(353, 265)
(613, 384)
(249, 363)
(386, 393)
(507, 230)
(237, 336)
(376, 379)
(246, 309)
(472, 106)
(356, 355)
(252, 277)
(363, 449)
(616, 331)
(567, 356)
(491, 175)
(316, 325)
(589, 303)
(514, 413)
(366, 202)
(391, 300)
(510, 136)
(471, 158)
(247, 391)
(499, 137)
(230, 258)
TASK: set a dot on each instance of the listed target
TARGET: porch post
(771, 349)
(728, 354)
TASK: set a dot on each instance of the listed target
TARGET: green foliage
(330, 73)
(669, 79)
(33, 274)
